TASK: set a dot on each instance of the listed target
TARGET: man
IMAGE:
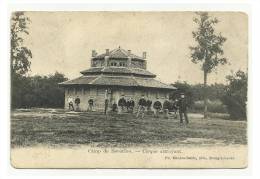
(114, 107)
(141, 108)
(175, 108)
(157, 105)
(130, 104)
(149, 105)
(166, 107)
(70, 102)
(182, 105)
(106, 106)
(77, 102)
(106, 102)
(90, 104)
(122, 103)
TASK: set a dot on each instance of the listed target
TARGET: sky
(63, 41)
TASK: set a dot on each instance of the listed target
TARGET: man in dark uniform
(149, 105)
(141, 107)
(122, 104)
(77, 102)
(157, 105)
(114, 107)
(130, 104)
(166, 107)
(182, 105)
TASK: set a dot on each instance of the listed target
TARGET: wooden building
(115, 74)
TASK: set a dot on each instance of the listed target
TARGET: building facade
(113, 75)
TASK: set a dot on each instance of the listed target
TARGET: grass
(58, 128)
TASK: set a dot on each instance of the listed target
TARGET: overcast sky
(62, 41)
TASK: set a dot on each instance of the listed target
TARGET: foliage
(209, 46)
(208, 50)
(195, 93)
(183, 87)
(20, 54)
(214, 91)
(214, 106)
(38, 91)
(235, 97)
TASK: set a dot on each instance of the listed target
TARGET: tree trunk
(205, 96)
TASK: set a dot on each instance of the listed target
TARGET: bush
(235, 97)
(37, 91)
(215, 106)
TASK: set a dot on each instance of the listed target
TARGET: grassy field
(56, 127)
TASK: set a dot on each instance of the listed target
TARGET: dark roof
(118, 53)
(117, 70)
(127, 81)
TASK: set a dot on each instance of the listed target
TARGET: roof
(117, 70)
(126, 81)
(119, 53)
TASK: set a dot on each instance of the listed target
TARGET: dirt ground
(57, 128)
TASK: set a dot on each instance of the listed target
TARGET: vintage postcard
(129, 89)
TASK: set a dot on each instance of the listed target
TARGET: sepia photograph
(154, 89)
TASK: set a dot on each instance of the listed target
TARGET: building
(113, 75)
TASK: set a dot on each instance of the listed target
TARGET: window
(122, 64)
(113, 64)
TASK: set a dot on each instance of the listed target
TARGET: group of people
(180, 105)
(144, 105)
(77, 103)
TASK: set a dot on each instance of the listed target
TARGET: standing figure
(166, 107)
(70, 102)
(122, 104)
(149, 105)
(128, 105)
(106, 102)
(77, 102)
(90, 104)
(182, 105)
(106, 106)
(131, 105)
(114, 107)
(141, 107)
(175, 108)
(157, 105)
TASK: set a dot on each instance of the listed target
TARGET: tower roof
(119, 53)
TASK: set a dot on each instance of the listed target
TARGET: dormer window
(122, 64)
(113, 64)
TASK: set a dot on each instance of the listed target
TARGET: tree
(20, 54)
(209, 48)
(183, 87)
(235, 97)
